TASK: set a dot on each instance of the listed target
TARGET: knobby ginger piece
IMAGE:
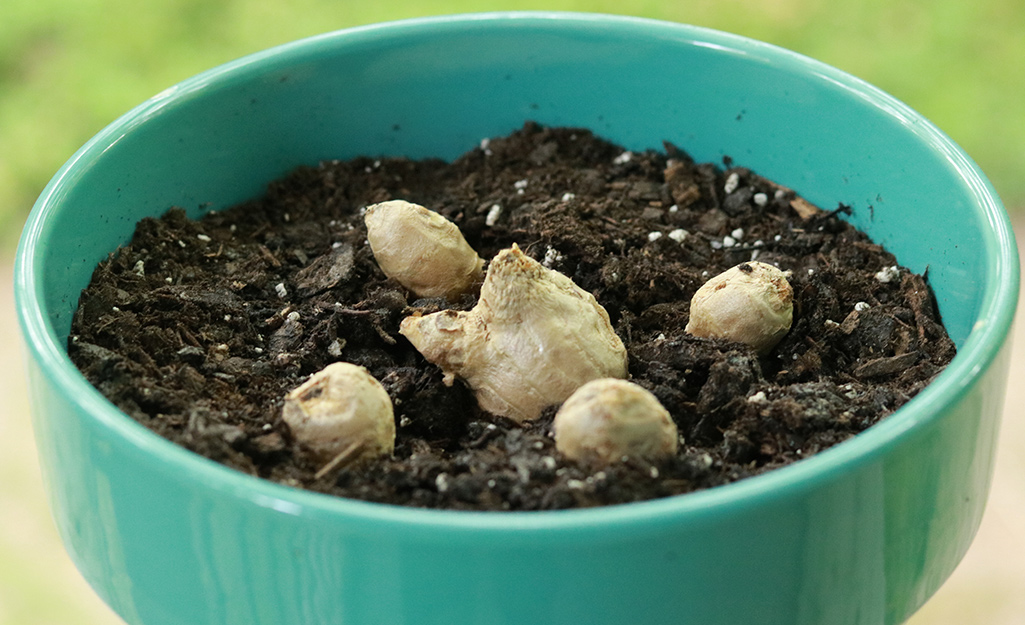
(533, 338)
(421, 250)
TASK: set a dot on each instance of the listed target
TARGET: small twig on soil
(338, 308)
(266, 253)
(184, 333)
(340, 460)
(387, 338)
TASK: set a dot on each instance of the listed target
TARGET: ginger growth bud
(609, 419)
(421, 250)
(751, 303)
(533, 338)
(342, 409)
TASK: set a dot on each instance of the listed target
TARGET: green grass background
(69, 67)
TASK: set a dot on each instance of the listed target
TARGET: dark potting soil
(197, 329)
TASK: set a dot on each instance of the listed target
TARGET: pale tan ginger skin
(533, 338)
(751, 303)
(421, 250)
(608, 420)
(342, 407)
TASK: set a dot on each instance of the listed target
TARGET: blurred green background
(68, 68)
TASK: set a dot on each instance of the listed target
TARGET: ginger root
(609, 419)
(751, 303)
(421, 250)
(533, 338)
(342, 409)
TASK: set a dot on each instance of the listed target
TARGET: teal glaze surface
(861, 534)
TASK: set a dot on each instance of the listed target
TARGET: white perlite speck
(737, 234)
(760, 199)
(861, 306)
(678, 235)
(493, 214)
(335, 348)
(441, 482)
(204, 238)
(728, 241)
(888, 274)
(732, 182)
(280, 289)
(654, 236)
(566, 197)
(623, 158)
(140, 268)
(758, 398)
(520, 186)
(552, 256)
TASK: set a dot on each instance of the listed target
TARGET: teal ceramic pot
(863, 533)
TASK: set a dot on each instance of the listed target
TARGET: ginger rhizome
(421, 250)
(533, 338)
(751, 303)
(341, 409)
(609, 420)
